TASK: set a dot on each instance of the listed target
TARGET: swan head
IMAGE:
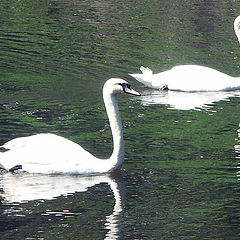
(115, 86)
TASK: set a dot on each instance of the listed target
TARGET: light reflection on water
(23, 187)
(186, 100)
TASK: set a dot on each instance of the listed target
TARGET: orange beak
(131, 91)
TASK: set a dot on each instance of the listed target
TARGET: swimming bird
(191, 77)
(49, 153)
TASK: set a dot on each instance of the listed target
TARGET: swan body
(191, 77)
(188, 78)
(49, 153)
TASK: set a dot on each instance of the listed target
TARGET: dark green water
(180, 176)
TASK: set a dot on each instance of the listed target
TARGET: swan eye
(125, 86)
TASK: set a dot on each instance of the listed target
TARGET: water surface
(180, 175)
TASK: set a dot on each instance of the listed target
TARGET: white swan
(191, 77)
(49, 153)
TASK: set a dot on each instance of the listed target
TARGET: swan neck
(237, 29)
(117, 156)
(113, 221)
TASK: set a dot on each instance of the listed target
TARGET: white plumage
(191, 77)
(50, 153)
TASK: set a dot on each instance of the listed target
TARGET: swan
(190, 77)
(49, 153)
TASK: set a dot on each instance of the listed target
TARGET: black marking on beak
(127, 89)
(125, 86)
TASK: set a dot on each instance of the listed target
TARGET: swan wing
(146, 71)
(145, 78)
(37, 140)
(45, 153)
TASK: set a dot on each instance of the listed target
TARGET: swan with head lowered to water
(49, 153)
(190, 77)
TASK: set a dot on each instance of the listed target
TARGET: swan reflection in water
(20, 188)
(237, 150)
(185, 100)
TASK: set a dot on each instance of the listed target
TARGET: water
(180, 177)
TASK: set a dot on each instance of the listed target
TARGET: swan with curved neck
(191, 77)
(50, 153)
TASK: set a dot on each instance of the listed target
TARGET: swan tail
(144, 78)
